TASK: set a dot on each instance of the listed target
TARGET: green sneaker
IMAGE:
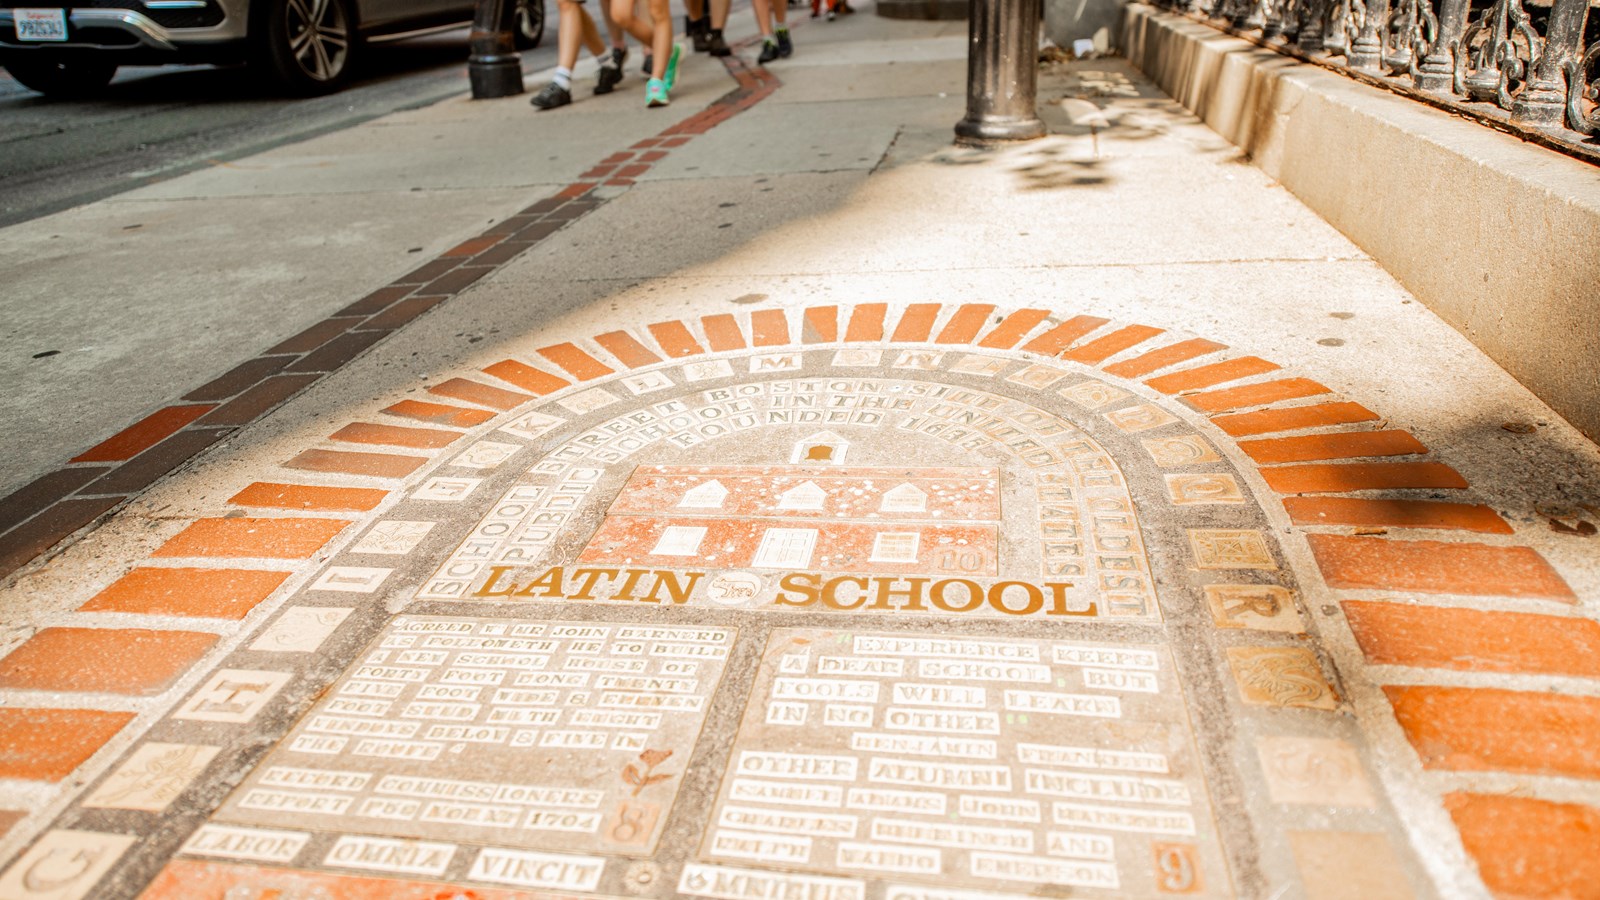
(655, 93)
(671, 76)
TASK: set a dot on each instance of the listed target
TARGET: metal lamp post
(494, 68)
(1002, 73)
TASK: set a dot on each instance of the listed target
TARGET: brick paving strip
(43, 515)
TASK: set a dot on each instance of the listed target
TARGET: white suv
(307, 46)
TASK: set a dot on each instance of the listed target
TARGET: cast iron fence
(1527, 66)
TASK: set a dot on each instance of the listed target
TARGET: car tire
(529, 30)
(62, 78)
(309, 47)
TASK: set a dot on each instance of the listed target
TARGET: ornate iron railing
(1527, 66)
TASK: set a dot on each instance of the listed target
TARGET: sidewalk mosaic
(941, 602)
(924, 603)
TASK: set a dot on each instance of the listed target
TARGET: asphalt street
(153, 123)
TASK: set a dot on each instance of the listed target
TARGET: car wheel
(530, 24)
(66, 78)
(309, 45)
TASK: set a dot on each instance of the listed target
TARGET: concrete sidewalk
(764, 498)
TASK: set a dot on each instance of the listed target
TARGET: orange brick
(308, 496)
(1528, 848)
(866, 323)
(1170, 355)
(769, 327)
(373, 465)
(1062, 336)
(1015, 327)
(1394, 514)
(248, 538)
(1470, 640)
(1339, 445)
(821, 325)
(675, 339)
(1435, 567)
(1202, 377)
(480, 393)
(1293, 418)
(722, 330)
(202, 593)
(439, 413)
(49, 744)
(627, 349)
(1333, 479)
(103, 660)
(1488, 729)
(194, 879)
(965, 323)
(395, 436)
(535, 381)
(574, 360)
(1103, 348)
(916, 323)
(1230, 399)
(144, 434)
(474, 247)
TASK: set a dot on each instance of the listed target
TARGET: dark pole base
(984, 132)
(497, 78)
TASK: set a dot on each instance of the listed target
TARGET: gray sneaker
(552, 96)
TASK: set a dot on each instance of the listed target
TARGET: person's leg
(610, 67)
(657, 36)
(570, 36)
(719, 20)
(619, 40)
(769, 44)
(697, 25)
(660, 38)
(622, 13)
(591, 35)
(763, 11)
(780, 10)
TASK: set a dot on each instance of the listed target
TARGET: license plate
(41, 24)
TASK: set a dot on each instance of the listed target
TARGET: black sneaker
(552, 96)
(700, 31)
(649, 66)
(619, 55)
(610, 77)
(785, 46)
(719, 47)
(769, 52)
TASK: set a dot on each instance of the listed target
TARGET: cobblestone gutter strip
(43, 515)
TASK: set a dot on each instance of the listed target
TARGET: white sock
(604, 59)
(563, 78)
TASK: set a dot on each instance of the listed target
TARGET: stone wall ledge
(1499, 237)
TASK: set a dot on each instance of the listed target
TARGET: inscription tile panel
(525, 735)
(968, 762)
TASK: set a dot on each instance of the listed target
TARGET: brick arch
(1326, 469)
(1070, 469)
